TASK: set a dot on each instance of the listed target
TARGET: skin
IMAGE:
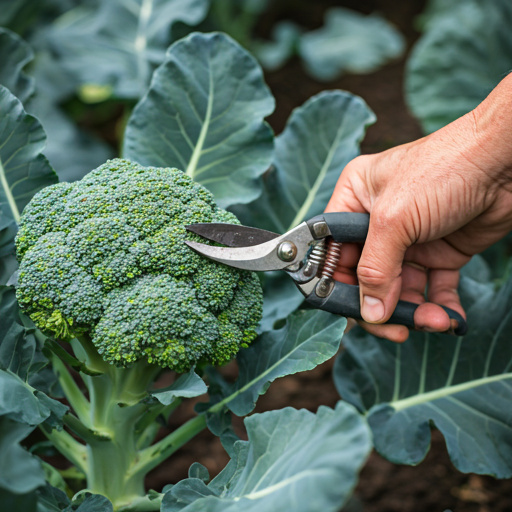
(433, 204)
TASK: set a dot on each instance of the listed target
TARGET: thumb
(380, 267)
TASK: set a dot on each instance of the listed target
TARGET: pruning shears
(309, 254)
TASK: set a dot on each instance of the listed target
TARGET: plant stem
(69, 447)
(75, 397)
(154, 455)
(147, 427)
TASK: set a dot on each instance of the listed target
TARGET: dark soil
(434, 485)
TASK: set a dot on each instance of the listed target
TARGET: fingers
(429, 317)
(414, 282)
(391, 332)
(380, 268)
(443, 286)
(349, 193)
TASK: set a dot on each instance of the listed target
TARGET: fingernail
(373, 309)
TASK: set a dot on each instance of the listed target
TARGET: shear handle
(344, 227)
(344, 301)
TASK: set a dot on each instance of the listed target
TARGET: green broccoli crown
(106, 256)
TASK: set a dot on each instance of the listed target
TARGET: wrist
(492, 133)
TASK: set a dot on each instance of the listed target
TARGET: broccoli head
(106, 256)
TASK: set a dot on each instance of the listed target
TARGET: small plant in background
(110, 297)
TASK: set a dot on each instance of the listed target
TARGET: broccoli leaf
(349, 42)
(281, 298)
(20, 351)
(91, 503)
(308, 339)
(291, 457)
(20, 472)
(15, 54)
(51, 499)
(25, 502)
(71, 151)
(23, 168)
(273, 54)
(204, 114)
(462, 384)
(319, 140)
(461, 57)
(118, 44)
(20, 402)
(187, 385)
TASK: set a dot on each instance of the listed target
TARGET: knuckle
(371, 276)
(358, 163)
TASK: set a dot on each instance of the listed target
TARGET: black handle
(344, 227)
(344, 300)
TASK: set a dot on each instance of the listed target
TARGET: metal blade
(231, 234)
(259, 257)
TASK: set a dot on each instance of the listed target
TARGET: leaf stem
(151, 457)
(73, 393)
(67, 446)
(147, 428)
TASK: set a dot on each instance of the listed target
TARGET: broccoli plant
(103, 264)
(111, 298)
(100, 299)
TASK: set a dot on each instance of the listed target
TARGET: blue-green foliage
(106, 256)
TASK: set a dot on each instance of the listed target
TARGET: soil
(434, 485)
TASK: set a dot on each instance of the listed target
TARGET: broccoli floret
(106, 256)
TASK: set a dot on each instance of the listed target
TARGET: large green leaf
(204, 114)
(22, 403)
(280, 298)
(461, 57)
(119, 43)
(20, 351)
(308, 339)
(23, 168)
(20, 472)
(463, 385)
(319, 140)
(274, 53)
(50, 499)
(349, 42)
(71, 151)
(293, 460)
(15, 54)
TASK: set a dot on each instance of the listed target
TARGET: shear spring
(331, 259)
(317, 256)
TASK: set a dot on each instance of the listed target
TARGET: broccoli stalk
(116, 425)
(104, 266)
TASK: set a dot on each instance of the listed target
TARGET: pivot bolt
(324, 287)
(287, 251)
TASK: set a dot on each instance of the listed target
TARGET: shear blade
(232, 235)
(259, 257)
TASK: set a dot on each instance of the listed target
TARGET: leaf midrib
(8, 194)
(196, 154)
(430, 396)
(217, 407)
(306, 205)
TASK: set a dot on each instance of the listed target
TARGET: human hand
(433, 204)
